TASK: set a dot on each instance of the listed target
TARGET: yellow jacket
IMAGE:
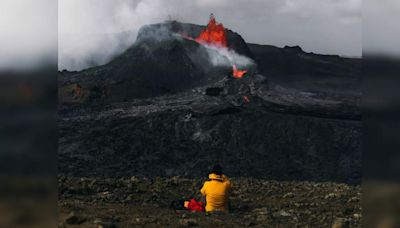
(216, 191)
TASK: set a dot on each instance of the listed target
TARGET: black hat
(217, 169)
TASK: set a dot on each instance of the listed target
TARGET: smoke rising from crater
(225, 54)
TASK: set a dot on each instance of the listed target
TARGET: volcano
(170, 105)
(159, 62)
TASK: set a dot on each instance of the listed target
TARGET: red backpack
(192, 205)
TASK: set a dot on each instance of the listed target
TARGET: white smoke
(92, 32)
(80, 51)
(219, 56)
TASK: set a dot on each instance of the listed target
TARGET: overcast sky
(28, 33)
(320, 26)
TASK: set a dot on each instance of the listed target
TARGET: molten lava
(213, 34)
(238, 73)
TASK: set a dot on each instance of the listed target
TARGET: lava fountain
(215, 35)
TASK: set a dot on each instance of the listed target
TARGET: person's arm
(228, 186)
(203, 190)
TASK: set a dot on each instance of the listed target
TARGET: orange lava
(213, 34)
(238, 73)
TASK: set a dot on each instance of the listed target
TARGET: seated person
(216, 190)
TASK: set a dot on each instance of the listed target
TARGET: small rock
(134, 179)
(339, 223)
(288, 195)
(105, 194)
(357, 216)
(261, 211)
(284, 214)
(331, 196)
(353, 200)
(139, 221)
(128, 198)
(73, 219)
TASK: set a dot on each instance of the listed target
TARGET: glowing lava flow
(238, 73)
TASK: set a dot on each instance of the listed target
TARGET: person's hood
(213, 176)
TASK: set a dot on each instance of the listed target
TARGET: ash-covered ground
(143, 202)
(163, 111)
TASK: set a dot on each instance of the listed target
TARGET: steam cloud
(232, 56)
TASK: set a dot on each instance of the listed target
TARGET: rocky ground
(142, 202)
(278, 135)
(163, 109)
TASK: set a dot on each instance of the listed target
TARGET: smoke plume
(227, 54)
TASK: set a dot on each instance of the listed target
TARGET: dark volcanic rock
(291, 66)
(294, 61)
(149, 68)
(185, 134)
(163, 109)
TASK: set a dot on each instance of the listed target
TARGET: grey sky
(321, 26)
(381, 32)
(29, 28)
(28, 33)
